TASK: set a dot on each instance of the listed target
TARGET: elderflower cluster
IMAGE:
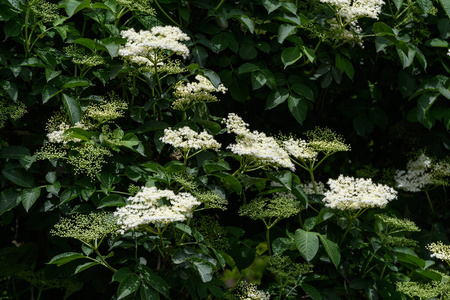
(448, 52)
(256, 145)
(185, 138)
(144, 47)
(401, 224)
(263, 208)
(109, 109)
(352, 10)
(348, 193)
(89, 159)
(10, 110)
(327, 141)
(47, 11)
(80, 56)
(424, 290)
(86, 228)
(188, 94)
(285, 270)
(308, 188)
(299, 149)
(154, 206)
(249, 291)
(141, 6)
(440, 251)
(416, 176)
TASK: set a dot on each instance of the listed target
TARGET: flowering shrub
(129, 170)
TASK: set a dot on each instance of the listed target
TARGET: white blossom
(299, 149)
(256, 144)
(57, 136)
(352, 10)
(185, 138)
(144, 47)
(154, 206)
(347, 193)
(416, 176)
(308, 188)
(187, 94)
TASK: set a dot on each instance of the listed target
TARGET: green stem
(267, 237)
(219, 5)
(105, 263)
(39, 294)
(429, 202)
(165, 13)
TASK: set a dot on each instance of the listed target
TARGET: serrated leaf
(247, 68)
(73, 108)
(76, 81)
(271, 5)
(298, 108)
(332, 249)
(85, 266)
(147, 293)
(19, 176)
(183, 227)
(204, 269)
(112, 201)
(247, 22)
(128, 285)
(29, 197)
(8, 200)
(155, 281)
(10, 88)
(65, 258)
(231, 180)
(307, 243)
(303, 90)
(311, 291)
(70, 193)
(74, 6)
(285, 30)
(276, 97)
(290, 55)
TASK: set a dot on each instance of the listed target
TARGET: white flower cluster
(308, 188)
(448, 52)
(351, 10)
(299, 149)
(439, 250)
(357, 193)
(185, 138)
(145, 47)
(194, 92)
(146, 208)
(57, 135)
(249, 291)
(256, 144)
(416, 176)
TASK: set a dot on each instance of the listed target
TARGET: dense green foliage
(85, 138)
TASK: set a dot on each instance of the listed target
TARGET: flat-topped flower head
(190, 93)
(256, 145)
(348, 193)
(185, 138)
(154, 206)
(147, 46)
(325, 140)
(440, 251)
(299, 149)
(353, 10)
(417, 174)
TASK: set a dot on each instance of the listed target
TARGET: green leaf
(247, 22)
(271, 82)
(310, 54)
(183, 227)
(111, 200)
(281, 244)
(290, 55)
(73, 108)
(398, 3)
(332, 249)
(29, 197)
(85, 266)
(345, 66)
(282, 177)
(70, 193)
(258, 80)
(8, 200)
(78, 133)
(10, 88)
(247, 68)
(248, 51)
(74, 6)
(204, 269)
(286, 30)
(271, 5)
(231, 180)
(425, 5)
(298, 108)
(307, 243)
(19, 176)
(210, 166)
(76, 81)
(12, 28)
(121, 274)
(152, 126)
(155, 281)
(49, 92)
(378, 116)
(276, 97)
(128, 285)
(89, 43)
(65, 258)
(406, 55)
(213, 77)
(311, 291)
(14, 152)
(200, 55)
(424, 104)
(147, 293)
(112, 45)
(444, 27)
(303, 90)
